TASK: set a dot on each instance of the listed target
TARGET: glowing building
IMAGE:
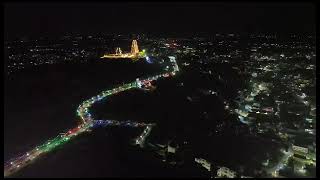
(134, 53)
(203, 163)
(226, 172)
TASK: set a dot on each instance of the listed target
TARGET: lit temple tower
(134, 54)
(118, 51)
(134, 47)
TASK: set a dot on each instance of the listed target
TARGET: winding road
(88, 122)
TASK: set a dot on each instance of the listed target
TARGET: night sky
(160, 17)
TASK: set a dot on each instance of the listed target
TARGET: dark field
(40, 103)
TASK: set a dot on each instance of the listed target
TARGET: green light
(83, 108)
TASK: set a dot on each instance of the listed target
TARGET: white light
(302, 170)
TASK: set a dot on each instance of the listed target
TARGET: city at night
(159, 89)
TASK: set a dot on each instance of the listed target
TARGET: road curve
(88, 122)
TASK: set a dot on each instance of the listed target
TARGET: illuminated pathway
(274, 171)
(87, 122)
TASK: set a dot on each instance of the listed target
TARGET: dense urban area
(213, 105)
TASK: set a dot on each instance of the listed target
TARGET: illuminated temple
(134, 53)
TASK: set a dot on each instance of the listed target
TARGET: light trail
(87, 122)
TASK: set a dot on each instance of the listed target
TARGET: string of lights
(87, 122)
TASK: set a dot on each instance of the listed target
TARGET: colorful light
(86, 124)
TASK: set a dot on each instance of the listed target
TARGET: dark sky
(159, 17)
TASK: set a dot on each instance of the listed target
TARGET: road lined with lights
(88, 122)
(274, 171)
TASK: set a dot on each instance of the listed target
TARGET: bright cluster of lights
(134, 53)
(141, 139)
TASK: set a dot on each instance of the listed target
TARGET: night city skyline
(180, 89)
